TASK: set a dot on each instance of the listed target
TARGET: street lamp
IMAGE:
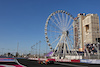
(39, 48)
(17, 48)
(36, 49)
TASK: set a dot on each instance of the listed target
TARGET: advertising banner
(76, 61)
(90, 61)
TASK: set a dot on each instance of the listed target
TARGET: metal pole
(36, 49)
(39, 48)
(17, 48)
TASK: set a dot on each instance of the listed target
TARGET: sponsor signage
(84, 61)
(90, 61)
(76, 61)
(51, 59)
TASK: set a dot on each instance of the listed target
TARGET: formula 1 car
(47, 61)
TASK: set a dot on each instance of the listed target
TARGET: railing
(92, 51)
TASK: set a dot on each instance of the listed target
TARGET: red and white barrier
(90, 61)
(57, 60)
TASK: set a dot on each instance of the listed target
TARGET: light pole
(36, 49)
(39, 48)
(17, 49)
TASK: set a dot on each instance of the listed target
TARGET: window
(87, 28)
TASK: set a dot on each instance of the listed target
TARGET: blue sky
(23, 21)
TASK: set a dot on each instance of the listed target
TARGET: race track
(31, 63)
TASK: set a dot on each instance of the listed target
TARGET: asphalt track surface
(31, 63)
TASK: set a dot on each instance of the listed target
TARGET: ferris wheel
(59, 32)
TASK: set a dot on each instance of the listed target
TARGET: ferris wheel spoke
(69, 22)
(59, 17)
(71, 29)
(54, 36)
(67, 43)
(55, 23)
(56, 40)
(55, 27)
(54, 31)
(70, 26)
(70, 42)
(71, 34)
(63, 18)
(73, 46)
(57, 20)
(66, 20)
(60, 20)
(58, 43)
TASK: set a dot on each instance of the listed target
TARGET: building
(86, 30)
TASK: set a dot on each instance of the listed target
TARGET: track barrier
(88, 61)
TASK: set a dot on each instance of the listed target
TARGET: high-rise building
(86, 30)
